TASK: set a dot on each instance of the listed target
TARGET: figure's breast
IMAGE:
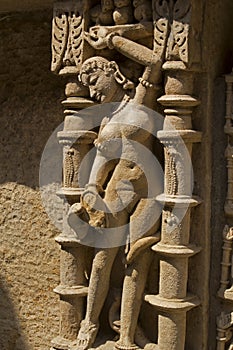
(109, 141)
(132, 123)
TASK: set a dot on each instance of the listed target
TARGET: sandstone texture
(172, 283)
(29, 113)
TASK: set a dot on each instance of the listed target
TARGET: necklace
(122, 105)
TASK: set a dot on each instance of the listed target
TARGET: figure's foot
(86, 336)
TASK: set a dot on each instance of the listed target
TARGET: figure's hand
(99, 31)
(95, 41)
(78, 219)
(100, 37)
(104, 31)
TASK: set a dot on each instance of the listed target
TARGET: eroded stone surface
(30, 110)
(117, 191)
(29, 257)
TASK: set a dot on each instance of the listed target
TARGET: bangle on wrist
(147, 84)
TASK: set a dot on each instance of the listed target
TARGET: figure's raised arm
(101, 37)
(124, 40)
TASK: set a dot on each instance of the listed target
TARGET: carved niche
(118, 53)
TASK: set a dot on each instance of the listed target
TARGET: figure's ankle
(125, 344)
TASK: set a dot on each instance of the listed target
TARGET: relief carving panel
(116, 55)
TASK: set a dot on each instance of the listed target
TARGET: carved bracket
(68, 44)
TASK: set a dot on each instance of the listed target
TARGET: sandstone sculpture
(123, 12)
(113, 192)
(125, 194)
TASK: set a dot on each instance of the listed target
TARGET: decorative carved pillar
(177, 136)
(224, 332)
(69, 50)
(229, 150)
(227, 232)
(224, 321)
(227, 246)
(226, 262)
(74, 257)
(174, 248)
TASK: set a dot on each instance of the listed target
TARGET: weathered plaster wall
(22, 5)
(29, 112)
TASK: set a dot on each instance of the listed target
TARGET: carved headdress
(109, 67)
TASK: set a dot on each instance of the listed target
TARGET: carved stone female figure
(117, 198)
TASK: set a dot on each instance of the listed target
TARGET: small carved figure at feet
(95, 207)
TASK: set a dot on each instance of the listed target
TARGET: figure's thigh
(104, 257)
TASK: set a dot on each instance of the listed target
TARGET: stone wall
(218, 60)
(210, 172)
(30, 110)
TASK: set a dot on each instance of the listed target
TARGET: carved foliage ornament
(172, 31)
(68, 34)
(174, 17)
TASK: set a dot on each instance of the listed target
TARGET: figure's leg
(99, 282)
(97, 292)
(133, 288)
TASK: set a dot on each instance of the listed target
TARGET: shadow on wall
(30, 95)
(30, 107)
(10, 337)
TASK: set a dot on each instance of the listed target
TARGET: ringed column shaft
(69, 51)
(226, 284)
(228, 207)
(228, 129)
(74, 262)
(226, 261)
(224, 320)
(174, 249)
